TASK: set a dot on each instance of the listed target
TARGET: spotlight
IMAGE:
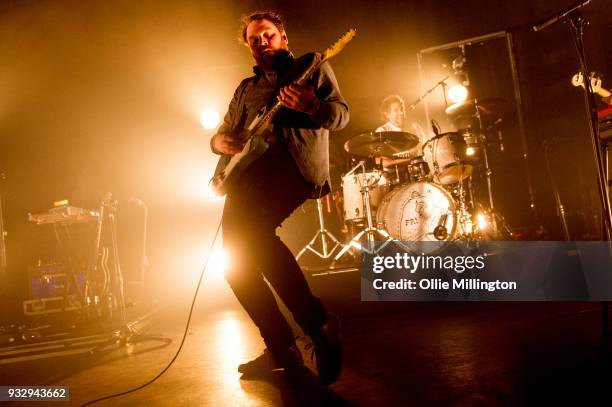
(470, 151)
(482, 221)
(209, 119)
(219, 261)
(457, 93)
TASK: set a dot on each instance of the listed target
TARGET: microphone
(561, 15)
(440, 232)
(435, 127)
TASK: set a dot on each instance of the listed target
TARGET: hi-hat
(383, 143)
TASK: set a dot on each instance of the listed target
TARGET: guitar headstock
(339, 45)
(578, 80)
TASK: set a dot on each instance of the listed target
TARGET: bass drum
(413, 212)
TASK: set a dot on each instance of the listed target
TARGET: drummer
(393, 110)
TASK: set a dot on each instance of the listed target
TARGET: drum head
(411, 213)
(447, 158)
(353, 194)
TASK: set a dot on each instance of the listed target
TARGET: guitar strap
(242, 116)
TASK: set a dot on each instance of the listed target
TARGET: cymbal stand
(323, 235)
(488, 171)
(370, 231)
(464, 216)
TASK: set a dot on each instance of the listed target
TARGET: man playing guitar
(294, 168)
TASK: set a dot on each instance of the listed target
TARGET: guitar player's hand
(226, 143)
(300, 98)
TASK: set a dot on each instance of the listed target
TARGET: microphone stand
(424, 95)
(576, 22)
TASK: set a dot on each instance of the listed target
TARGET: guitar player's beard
(270, 60)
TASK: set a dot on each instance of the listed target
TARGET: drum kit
(431, 196)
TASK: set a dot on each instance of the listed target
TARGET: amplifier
(51, 280)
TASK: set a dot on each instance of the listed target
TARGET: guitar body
(229, 168)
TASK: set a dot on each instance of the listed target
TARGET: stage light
(209, 119)
(470, 151)
(482, 221)
(457, 93)
(218, 263)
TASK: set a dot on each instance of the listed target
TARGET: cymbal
(383, 143)
(486, 107)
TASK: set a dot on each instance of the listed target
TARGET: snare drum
(352, 185)
(447, 159)
(397, 174)
(418, 169)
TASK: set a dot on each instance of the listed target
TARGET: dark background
(105, 96)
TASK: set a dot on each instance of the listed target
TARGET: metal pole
(2, 247)
(518, 98)
(144, 260)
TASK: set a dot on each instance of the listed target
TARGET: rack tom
(446, 155)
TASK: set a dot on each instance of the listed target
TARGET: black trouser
(268, 192)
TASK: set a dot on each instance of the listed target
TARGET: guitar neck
(267, 119)
(318, 59)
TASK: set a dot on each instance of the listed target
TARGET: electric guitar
(229, 170)
(98, 277)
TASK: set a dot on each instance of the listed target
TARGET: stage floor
(397, 354)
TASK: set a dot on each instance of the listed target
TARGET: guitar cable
(178, 351)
